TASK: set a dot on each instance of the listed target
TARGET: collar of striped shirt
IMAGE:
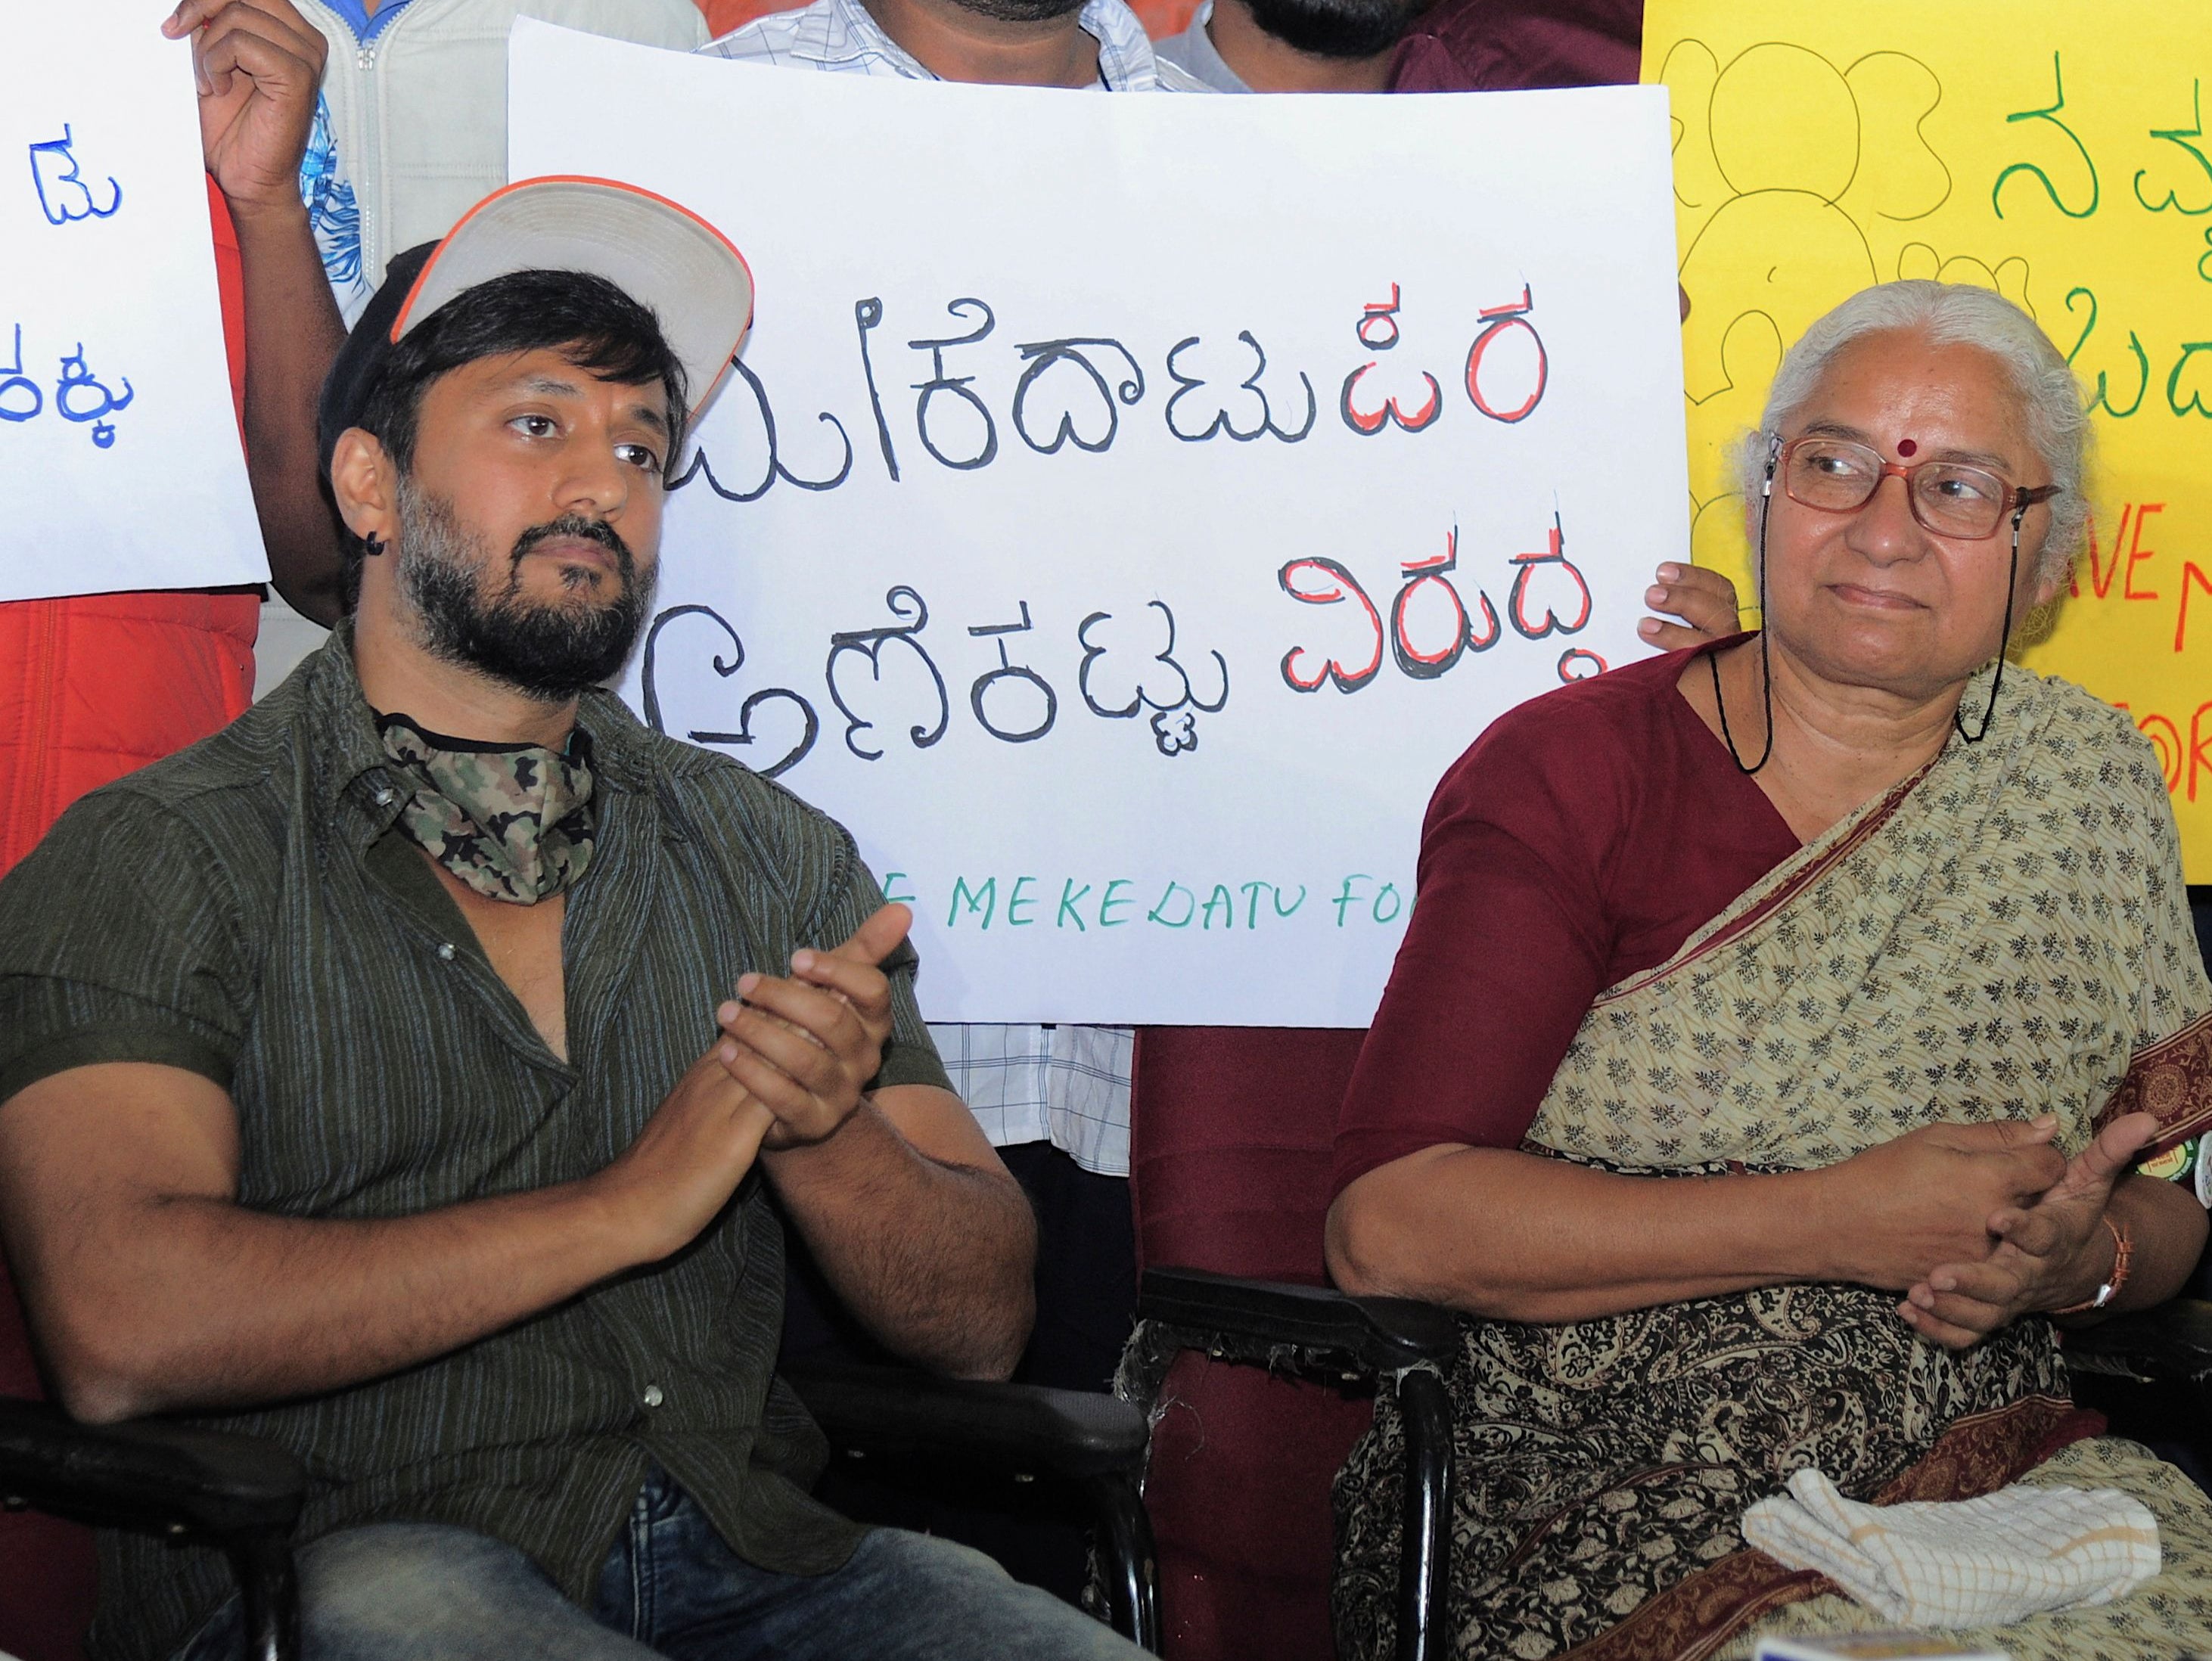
(841, 36)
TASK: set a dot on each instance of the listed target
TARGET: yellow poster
(2056, 152)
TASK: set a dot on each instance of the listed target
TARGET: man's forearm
(219, 1307)
(936, 1259)
(293, 333)
(150, 1290)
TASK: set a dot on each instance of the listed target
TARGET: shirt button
(653, 1397)
(384, 797)
(446, 952)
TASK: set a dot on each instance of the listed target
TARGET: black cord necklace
(2004, 639)
(1765, 664)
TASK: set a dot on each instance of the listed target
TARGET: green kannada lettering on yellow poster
(2056, 152)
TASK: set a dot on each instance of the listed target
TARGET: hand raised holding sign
(1703, 599)
(259, 64)
(807, 1044)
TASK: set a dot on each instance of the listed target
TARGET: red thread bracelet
(2123, 1249)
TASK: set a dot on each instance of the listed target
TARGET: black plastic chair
(1091, 1442)
(237, 1493)
(2150, 1371)
(2150, 1374)
(244, 1495)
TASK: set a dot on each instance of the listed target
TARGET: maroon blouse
(1582, 838)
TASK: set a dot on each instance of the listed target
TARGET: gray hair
(2051, 407)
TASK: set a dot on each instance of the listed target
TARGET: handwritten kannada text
(1073, 392)
(78, 395)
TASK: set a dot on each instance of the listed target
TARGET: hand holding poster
(116, 426)
(1120, 547)
(2055, 152)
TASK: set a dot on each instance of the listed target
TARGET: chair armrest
(1381, 1335)
(147, 1474)
(2170, 1341)
(1026, 1428)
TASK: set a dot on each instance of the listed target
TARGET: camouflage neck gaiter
(513, 822)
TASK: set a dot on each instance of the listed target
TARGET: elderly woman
(1774, 1041)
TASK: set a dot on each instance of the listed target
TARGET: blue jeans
(411, 1591)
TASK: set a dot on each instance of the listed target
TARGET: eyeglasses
(1951, 499)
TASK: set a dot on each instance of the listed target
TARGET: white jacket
(413, 127)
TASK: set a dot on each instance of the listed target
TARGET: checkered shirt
(840, 36)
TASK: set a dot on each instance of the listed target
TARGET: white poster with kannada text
(1125, 508)
(119, 454)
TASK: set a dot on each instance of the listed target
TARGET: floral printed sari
(2005, 934)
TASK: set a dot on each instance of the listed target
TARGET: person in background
(1096, 44)
(410, 128)
(1407, 46)
(1055, 1100)
(105, 683)
(407, 128)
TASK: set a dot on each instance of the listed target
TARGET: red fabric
(94, 686)
(726, 16)
(1238, 1489)
(1584, 837)
(47, 1576)
(1229, 1147)
(1229, 1170)
(91, 688)
(1495, 45)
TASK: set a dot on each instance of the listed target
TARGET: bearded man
(1293, 46)
(415, 1072)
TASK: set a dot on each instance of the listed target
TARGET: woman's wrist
(2091, 1288)
(1814, 1224)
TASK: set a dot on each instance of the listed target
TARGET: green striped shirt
(248, 911)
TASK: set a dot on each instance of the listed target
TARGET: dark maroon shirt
(1582, 838)
(1496, 46)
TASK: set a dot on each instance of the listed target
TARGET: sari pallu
(2004, 935)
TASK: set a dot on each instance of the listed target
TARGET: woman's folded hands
(1899, 1209)
(2053, 1251)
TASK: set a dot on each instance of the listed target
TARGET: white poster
(1126, 507)
(119, 456)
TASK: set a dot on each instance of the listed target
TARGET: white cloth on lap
(1983, 1562)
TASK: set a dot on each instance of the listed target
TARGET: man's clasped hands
(792, 1058)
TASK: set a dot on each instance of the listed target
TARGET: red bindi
(1906, 446)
